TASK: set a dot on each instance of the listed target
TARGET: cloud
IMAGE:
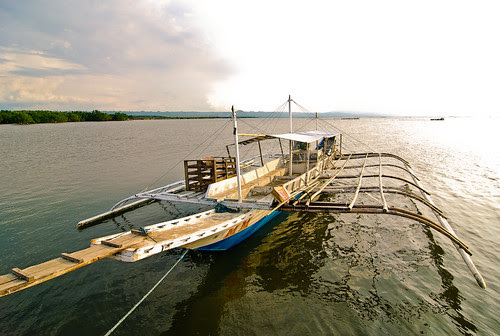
(116, 55)
(33, 63)
(387, 56)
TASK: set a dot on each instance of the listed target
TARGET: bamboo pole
(467, 259)
(387, 191)
(359, 186)
(380, 183)
(328, 181)
(387, 176)
(327, 207)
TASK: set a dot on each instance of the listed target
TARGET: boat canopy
(307, 136)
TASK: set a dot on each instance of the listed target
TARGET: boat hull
(237, 238)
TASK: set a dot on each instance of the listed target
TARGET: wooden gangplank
(23, 278)
(104, 247)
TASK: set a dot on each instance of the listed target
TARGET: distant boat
(437, 119)
(314, 174)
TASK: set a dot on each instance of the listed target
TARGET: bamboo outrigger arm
(327, 207)
(383, 165)
(467, 259)
(443, 226)
(388, 190)
(386, 176)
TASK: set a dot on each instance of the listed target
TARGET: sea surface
(301, 274)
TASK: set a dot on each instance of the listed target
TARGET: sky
(410, 58)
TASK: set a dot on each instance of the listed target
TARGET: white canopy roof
(307, 136)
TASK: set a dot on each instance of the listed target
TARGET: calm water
(300, 275)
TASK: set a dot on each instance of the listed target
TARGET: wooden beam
(22, 274)
(111, 244)
(71, 258)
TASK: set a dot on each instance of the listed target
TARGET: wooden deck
(33, 275)
(181, 232)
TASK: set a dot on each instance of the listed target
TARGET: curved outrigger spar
(313, 175)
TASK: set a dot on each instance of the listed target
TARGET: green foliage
(120, 116)
(31, 117)
(97, 115)
(16, 117)
(74, 116)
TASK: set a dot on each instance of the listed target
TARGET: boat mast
(290, 163)
(238, 172)
(317, 142)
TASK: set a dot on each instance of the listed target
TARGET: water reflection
(351, 263)
(450, 298)
(382, 275)
(286, 259)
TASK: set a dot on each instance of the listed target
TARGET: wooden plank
(52, 268)
(71, 258)
(7, 278)
(127, 240)
(110, 243)
(96, 252)
(23, 274)
(48, 267)
(13, 286)
(68, 262)
(36, 274)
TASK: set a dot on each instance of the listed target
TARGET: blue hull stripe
(238, 237)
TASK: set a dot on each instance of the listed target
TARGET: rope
(145, 296)
(194, 150)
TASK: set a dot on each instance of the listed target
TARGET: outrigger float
(314, 175)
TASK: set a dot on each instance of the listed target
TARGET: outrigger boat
(315, 174)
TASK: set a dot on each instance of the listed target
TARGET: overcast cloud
(427, 57)
(110, 55)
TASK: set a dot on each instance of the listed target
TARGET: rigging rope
(198, 147)
(351, 136)
(145, 296)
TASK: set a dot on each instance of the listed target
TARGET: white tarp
(307, 136)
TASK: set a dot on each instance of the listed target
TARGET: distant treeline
(34, 117)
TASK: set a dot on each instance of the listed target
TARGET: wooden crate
(200, 173)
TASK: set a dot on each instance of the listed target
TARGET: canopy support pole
(281, 148)
(261, 157)
(238, 171)
(307, 163)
